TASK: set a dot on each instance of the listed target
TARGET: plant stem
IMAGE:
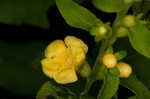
(105, 44)
(91, 79)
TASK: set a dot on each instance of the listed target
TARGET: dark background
(58, 30)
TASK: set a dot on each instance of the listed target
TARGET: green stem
(105, 44)
(92, 79)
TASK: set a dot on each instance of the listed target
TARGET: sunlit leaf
(76, 15)
(109, 5)
(139, 38)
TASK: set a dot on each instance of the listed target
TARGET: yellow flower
(63, 59)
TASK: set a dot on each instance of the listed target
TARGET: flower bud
(125, 69)
(122, 32)
(128, 21)
(85, 70)
(100, 32)
(109, 60)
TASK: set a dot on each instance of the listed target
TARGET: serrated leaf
(76, 15)
(110, 85)
(139, 39)
(18, 12)
(48, 89)
(109, 6)
(136, 86)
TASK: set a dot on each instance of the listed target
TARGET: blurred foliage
(141, 7)
(16, 71)
(20, 12)
(33, 12)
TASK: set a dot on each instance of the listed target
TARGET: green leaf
(109, 6)
(48, 89)
(139, 63)
(115, 96)
(139, 39)
(21, 12)
(136, 86)
(141, 67)
(110, 85)
(133, 97)
(76, 15)
(121, 54)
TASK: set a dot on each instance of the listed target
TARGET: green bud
(85, 70)
(120, 55)
(128, 21)
(122, 32)
(100, 32)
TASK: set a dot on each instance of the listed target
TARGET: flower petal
(74, 42)
(49, 73)
(66, 76)
(56, 48)
(50, 64)
(78, 49)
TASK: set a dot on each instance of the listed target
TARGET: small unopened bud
(122, 32)
(125, 69)
(102, 30)
(128, 21)
(85, 70)
(109, 60)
